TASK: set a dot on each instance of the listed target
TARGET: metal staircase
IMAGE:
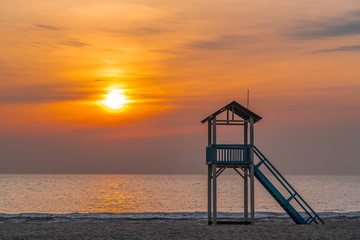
(308, 216)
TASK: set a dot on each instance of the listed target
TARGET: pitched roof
(238, 109)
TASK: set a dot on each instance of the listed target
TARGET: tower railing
(227, 153)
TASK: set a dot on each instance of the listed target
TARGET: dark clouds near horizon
(39, 93)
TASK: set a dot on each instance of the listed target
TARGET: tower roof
(238, 109)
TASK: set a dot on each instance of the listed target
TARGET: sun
(115, 99)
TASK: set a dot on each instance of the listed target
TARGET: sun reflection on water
(62, 194)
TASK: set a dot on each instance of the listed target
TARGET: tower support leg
(252, 194)
(209, 193)
(246, 198)
(214, 193)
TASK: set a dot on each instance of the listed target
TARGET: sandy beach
(335, 228)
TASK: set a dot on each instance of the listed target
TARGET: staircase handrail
(294, 195)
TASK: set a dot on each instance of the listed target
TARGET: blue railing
(227, 153)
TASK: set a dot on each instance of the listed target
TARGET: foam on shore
(153, 215)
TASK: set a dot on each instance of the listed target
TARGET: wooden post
(214, 172)
(209, 176)
(246, 175)
(245, 133)
(252, 192)
(214, 193)
(209, 193)
(246, 150)
(227, 116)
(246, 218)
(209, 133)
(214, 130)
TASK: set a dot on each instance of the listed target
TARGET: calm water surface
(67, 194)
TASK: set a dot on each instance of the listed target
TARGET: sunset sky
(174, 63)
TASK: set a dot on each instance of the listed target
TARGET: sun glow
(115, 99)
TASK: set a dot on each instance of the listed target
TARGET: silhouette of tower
(246, 159)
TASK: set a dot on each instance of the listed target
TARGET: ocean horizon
(69, 197)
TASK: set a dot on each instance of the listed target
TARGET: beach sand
(335, 228)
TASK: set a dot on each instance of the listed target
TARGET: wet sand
(335, 228)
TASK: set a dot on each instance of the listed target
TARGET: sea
(83, 197)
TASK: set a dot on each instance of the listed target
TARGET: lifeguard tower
(246, 160)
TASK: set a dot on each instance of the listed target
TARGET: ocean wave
(23, 217)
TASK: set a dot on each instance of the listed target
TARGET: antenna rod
(247, 103)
